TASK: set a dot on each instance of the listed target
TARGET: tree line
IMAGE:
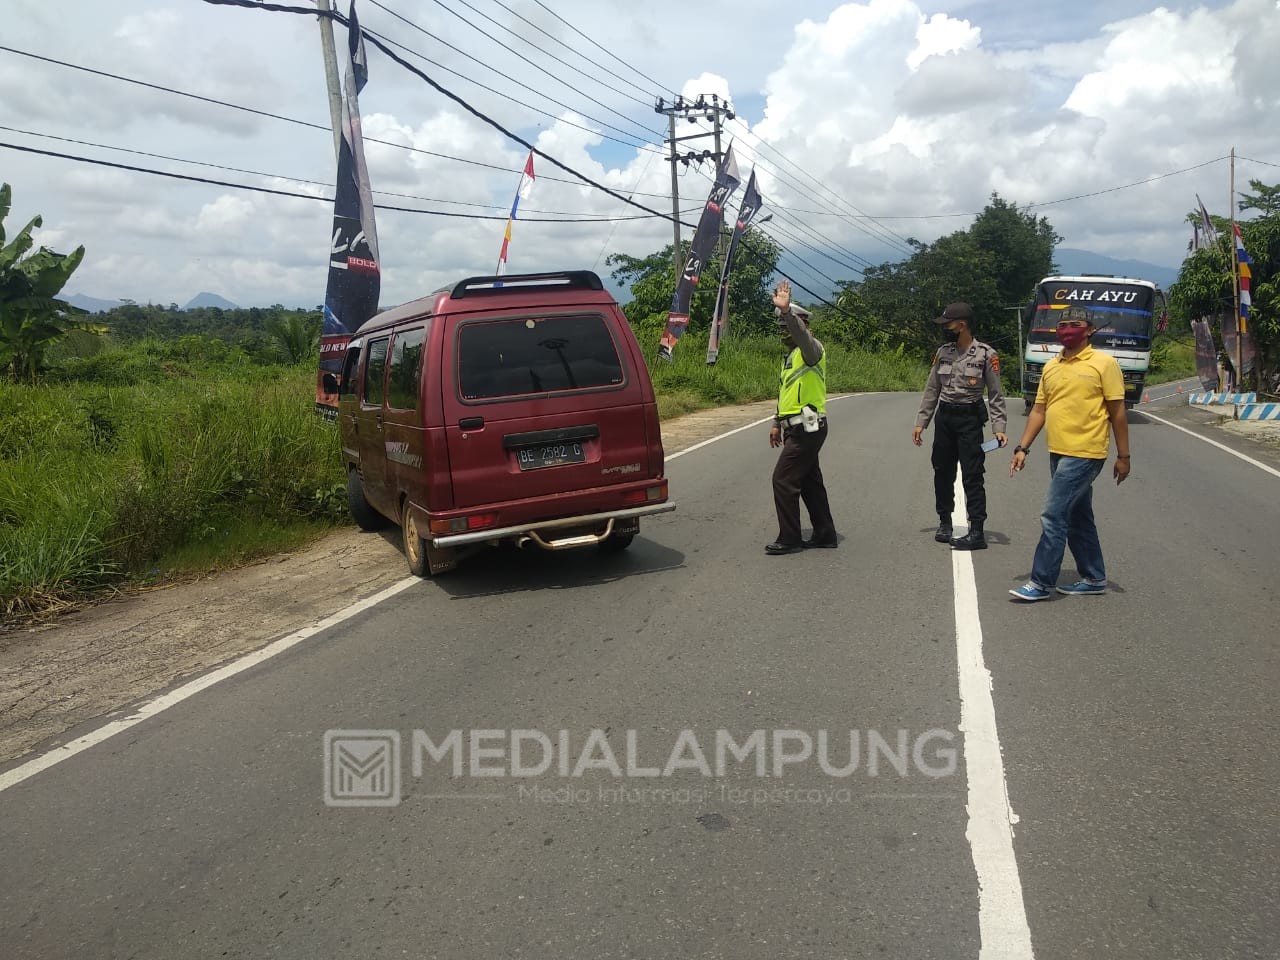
(994, 264)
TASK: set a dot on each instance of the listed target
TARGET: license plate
(550, 455)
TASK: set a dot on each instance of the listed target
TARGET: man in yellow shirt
(1081, 400)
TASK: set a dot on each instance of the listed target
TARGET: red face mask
(1072, 337)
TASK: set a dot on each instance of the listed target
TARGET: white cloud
(897, 108)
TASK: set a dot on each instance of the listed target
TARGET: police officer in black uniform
(961, 368)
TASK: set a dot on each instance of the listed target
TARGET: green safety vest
(801, 385)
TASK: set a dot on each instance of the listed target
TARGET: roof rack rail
(520, 282)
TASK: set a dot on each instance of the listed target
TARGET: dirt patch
(98, 659)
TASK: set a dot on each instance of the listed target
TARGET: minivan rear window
(530, 355)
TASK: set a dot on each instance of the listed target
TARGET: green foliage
(652, 282)
(161, 448)
(994, 265)
(1205, 287)
(297, 335)
(748, 370)
(32, 318)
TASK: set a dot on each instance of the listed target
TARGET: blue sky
(909, 113)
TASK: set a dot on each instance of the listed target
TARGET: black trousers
(797, 477)
(957, 438)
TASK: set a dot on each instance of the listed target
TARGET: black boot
(943, 533)
(973, 540)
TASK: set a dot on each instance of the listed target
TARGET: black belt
(974, 407)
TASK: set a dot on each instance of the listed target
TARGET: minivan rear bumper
(501, 533)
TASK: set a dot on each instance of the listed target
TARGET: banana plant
(32, 318)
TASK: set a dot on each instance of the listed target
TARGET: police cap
(956, 311)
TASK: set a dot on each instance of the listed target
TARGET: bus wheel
(365, 516)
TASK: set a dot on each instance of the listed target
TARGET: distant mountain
(92, 304)
(1075, 262)
(209, 300)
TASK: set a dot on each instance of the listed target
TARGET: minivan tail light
(481, 520)
(456, 525)
(647, 494)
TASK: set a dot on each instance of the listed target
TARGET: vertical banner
(351, 296)
(522, 193)
(1206, 355)
(704, 239)
(720, 319)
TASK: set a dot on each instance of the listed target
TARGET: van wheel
(616, 543)
(365, 516)
(425, 558)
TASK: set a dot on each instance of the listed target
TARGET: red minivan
(514, 408)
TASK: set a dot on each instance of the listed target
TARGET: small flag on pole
(522, 193)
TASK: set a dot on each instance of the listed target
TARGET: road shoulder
(100, 659)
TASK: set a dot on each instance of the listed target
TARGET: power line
(870, 227)
(316, 183)
(634, 142)
(1126, 186)
(302, 123)
(309, 196)
(589, 40)
(505, 76)
(578, 70)
(1265, 163)
(597, 65)
(374, 41)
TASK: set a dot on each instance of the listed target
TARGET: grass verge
(144, 466)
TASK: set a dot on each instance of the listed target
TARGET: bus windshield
(1122, 312)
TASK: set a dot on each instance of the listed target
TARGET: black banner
(351, 296)
(720, 319)
(704, 239)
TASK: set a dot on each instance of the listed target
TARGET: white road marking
(163, 702)
(25, 771)
(1002, 915)
(1221, 446)
(754, 423)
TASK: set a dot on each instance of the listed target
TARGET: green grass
(1172, 360)
(747, 370)
(165, 460)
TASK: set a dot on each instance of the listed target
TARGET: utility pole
(331, 74)
(714, 110)
(675, 196)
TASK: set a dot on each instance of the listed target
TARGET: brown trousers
(797, 477)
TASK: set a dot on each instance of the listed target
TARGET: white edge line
(16, 775)
(1221, 446)
(754, 423)
(1002, 915)
(163, 702)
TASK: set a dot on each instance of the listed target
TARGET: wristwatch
(1021, 449)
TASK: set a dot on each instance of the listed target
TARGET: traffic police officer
(800, 428)
(961, 368)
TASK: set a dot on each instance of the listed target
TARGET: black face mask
(950, 336)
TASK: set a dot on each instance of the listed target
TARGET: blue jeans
(1067, 521)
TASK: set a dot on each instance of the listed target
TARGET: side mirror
(330, 383)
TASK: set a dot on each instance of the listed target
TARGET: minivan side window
(406, 366)
(517, 356)
(350, 371)
(374, 373)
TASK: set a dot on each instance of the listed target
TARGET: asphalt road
(1137, 734)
